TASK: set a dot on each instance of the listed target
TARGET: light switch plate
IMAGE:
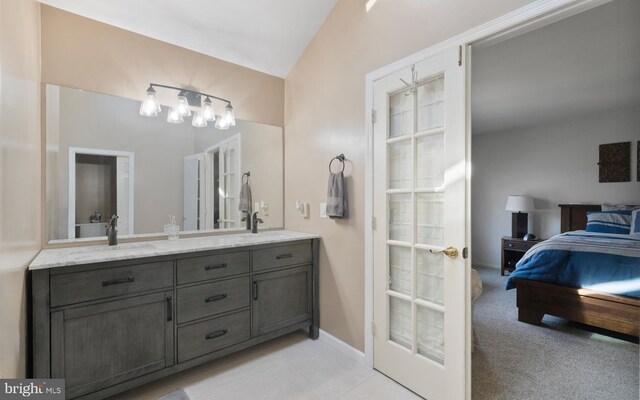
(323, 210)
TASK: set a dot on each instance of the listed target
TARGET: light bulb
(207, 110)
(198, 120)
(221, 123)
(231, 119)
(174, 116)
(183, 106)
(150, 106)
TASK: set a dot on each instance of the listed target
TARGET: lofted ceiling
(265, 35)
(585, 64)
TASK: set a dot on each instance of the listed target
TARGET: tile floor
(291, 367)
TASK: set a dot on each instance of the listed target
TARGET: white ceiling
(265, 35)
(582, 65)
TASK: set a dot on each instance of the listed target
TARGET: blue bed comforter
(603, 262)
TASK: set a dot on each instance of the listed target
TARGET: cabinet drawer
(212, 298)
(208, 336)
(212, 267)
(281, 256)
(82, 286)
(519, 246)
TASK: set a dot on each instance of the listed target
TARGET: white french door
(419, 202)
(229, 170)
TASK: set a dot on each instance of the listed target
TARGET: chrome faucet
(256, 221)
(112, 231)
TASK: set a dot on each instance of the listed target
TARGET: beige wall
(324, 116)
(19, 172)
(82, 53)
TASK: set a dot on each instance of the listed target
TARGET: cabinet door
(100, 345)
(281, 299)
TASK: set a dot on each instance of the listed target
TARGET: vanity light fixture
(186, 99)
(150, 106)
(198, 120)
(174, 117)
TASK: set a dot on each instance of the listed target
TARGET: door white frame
(201, 187)
(529, 17)
(71, 221)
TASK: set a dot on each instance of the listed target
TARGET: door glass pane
(430, 159)
(431, 104)
(400, 217)
(400, 276)
(430, 222)
(400, 114)
(400, 165)
(430, 276)
(400, 322)
(431, 334)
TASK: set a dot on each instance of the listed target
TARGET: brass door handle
(450, 252)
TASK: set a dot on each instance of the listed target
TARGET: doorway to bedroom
(543, 101)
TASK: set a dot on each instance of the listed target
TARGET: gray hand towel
(337, 197)
(244, 203)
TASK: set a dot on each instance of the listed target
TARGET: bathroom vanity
(108, 319)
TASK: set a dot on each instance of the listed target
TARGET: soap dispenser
(112, 231)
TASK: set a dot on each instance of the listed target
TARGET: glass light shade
(231, 119)
(221, 123)
(207, 110)
(183, 107)
(174, 116)
(517, 203)
(198, 120)
(150, 106)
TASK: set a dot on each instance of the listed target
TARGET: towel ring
(247, 174)
(339, 157)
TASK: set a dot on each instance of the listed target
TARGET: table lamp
(519, 205)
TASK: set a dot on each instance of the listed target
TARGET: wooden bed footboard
(617, 313)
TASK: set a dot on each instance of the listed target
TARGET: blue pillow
(618, 221)
(635, 222)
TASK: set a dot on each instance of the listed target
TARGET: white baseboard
(342, 347)
(481, 265)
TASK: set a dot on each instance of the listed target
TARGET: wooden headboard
(573, 217)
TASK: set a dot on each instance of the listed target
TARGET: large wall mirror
(104, 159)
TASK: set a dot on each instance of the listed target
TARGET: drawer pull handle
(215, 266)
(255, 290)
(118, 281)
(510, 244)
(169, 309)
(281, 256)
(215, 298)
(216, 334)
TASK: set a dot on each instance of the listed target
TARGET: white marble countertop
(64, 257)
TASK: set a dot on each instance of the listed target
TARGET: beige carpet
(558, 360)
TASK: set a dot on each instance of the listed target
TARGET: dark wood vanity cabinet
(110, 327)
(99, 345)
(281, 298)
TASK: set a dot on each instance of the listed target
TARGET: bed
(609, 307)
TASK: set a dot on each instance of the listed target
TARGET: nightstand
(512, 250)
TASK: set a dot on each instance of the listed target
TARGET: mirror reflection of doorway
(222, 182)
(100, 185)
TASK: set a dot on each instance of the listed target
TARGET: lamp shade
(517, 203)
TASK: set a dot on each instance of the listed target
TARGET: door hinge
(373, 328)
(373, 116)
(459, 55)
(373, 223)
(465, 253)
